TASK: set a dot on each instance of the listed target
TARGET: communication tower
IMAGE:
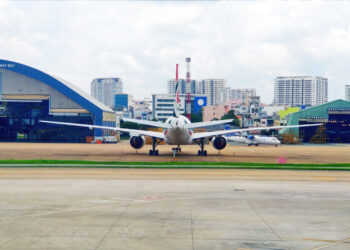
(188, 86)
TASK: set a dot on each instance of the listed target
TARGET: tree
(196, 117)
(231, 115)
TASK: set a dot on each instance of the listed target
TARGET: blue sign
(199, 102)
(0, 85)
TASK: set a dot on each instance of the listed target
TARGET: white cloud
(247, 43)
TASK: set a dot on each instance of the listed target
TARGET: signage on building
(7, 65)
(199, 102)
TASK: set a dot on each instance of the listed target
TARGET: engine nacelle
(137, 142)
(219, 142)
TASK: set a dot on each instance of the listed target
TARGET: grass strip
(211, 165)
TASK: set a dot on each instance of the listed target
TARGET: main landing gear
(202, 152)
(153, 151)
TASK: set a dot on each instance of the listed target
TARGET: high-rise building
(347, 93)
(300, 91)
(242, 94)
(182, 86)
(213, 89)
(105, 89)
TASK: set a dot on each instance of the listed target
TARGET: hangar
(28, 95)
(335, 117)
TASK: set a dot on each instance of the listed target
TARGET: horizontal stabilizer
(132, 132)
(225, 132)
(148, 123)
(206, 124)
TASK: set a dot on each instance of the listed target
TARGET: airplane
(177, 130)
(251, 139)
(254, 140)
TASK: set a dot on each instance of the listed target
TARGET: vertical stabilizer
(177, 93)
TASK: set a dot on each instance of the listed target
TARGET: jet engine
(219, 142)
(137, 142)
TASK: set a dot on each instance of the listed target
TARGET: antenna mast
(188, 86)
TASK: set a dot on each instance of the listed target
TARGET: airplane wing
(132, 132)
(149, 123)
(205, 124)
(224, 132)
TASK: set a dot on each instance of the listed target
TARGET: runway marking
(308, 239)
(251, 150)
(325, 178)
(153, 198)
(332, 244)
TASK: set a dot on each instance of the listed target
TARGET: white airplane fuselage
(177, 134)
(256, 140)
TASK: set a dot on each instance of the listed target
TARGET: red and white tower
(188, 87)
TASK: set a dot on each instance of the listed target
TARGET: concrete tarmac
(123, 152)
(45, 208)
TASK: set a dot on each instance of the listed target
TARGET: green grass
(207, 165)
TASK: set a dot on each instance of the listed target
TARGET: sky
(247, 43)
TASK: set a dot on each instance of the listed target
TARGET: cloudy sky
(247, 43)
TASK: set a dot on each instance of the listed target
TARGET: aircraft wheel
(150, 152)
(205, 153)
(256, 145)
(249, 145)
(157, 152)
(199, 152)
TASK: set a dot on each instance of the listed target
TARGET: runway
(59, 208)
(123, 152)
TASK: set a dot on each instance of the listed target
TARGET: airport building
(334, 117)
(296, 91)
(28, 95)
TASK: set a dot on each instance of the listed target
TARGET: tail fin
(177, 93)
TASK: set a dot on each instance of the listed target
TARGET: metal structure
(188, 82)
(335, 117)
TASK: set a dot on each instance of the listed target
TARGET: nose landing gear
(175, 150)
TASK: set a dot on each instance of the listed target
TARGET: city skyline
(247, 44)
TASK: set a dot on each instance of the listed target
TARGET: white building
(241, 94)
(300, 90)
(104, 89)
(213, 89)
(347, 92)
(163, 105)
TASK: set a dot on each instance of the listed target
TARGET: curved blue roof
(66, 88)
